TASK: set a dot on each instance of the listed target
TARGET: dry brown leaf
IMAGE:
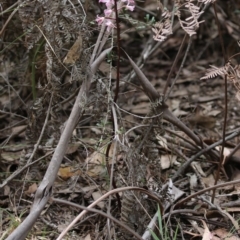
(89, 188)
(31, 189)
(179, 112)
(67, 172)
(74, 52)
(205, 99)
(233, 209)
(73, 147)
(96, 196)
(179, 93)
(18, 129)
(209, 181)
(6, 190)
(198, 167)
(214, 113)
(167, 161)
(226, 152)
(88, 237)
(193, 180)
(96, 163)
(174, 103)
(10, 156)
(224, 234)
(141, 108)
(197, 228)
(207, 235)
(203, 121)
(61, 227)
(162, 141)
(106, 69)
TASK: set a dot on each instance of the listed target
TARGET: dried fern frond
(164, 28)
(232, 71)
(59, 23)
(29, 14)
(216, 71)
(190, 24)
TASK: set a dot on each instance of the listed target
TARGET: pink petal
(109, 25)
(100, 20)
(131, 8)
(108, 12)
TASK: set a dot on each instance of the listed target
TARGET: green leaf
(155, 237)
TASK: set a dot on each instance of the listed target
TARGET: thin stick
(186, 164)
(225, 103)
(173, 66)
(101, 199)
(108, 216)
(18, 171)
(8, 20)
(205, 190)
(38, 142)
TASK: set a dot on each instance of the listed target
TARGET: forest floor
(82, 177)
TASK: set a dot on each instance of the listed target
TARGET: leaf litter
(83, 176)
